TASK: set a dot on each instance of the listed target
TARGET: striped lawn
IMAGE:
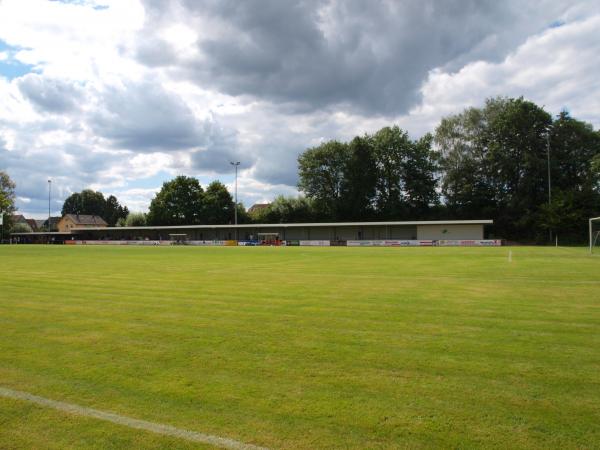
(302, 347)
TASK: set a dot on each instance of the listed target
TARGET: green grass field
(303, 347)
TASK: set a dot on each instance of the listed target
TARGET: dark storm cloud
(50, 95)
(145, 118)
(70, 166)
(154, 52)
(277, 157)
(369, 56)
(219, 148)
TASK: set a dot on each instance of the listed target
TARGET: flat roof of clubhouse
(294, 225)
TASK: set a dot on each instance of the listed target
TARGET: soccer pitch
(302, 348)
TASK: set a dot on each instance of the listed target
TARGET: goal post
(594, 237)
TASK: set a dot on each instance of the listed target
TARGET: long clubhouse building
(334, 232)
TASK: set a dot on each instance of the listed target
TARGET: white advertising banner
(390, 243)
(119, 242)
(315, 243)
(470, 243)
(196, 243)
(206, 243)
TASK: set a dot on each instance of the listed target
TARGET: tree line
(492, 162)
(180, 201)
(183, 201)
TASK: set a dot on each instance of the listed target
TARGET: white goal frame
(592, 220)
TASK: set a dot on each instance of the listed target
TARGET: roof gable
(86, 219)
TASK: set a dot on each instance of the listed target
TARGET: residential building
(70, 221)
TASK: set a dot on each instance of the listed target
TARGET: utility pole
(235, 164)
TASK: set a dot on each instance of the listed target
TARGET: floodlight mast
(549, 174)
(49, 190)
(235, 164)
(592, 220)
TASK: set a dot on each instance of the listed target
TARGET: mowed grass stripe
(331, 348)
(165, 430)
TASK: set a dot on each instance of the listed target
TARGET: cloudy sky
(121, 95)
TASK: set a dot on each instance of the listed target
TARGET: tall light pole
(49, 190)
(235, 164)
(549, 176)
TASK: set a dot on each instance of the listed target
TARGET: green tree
(113, 211)
(287, 210)
(573, 144)
(135, 219)
(7, 198)
(385, 175)
(575, 184)
(321, 173)
(72, 204)
(179, 202)
(391, 145)
(85, 202)
(218, 204)
(494, 164)
(406, 181)
(20, 228)
(465, 186)
(595, 165)
(93, 203)
(242, 214)
(359, 183)
(419, 170)
(564, 217)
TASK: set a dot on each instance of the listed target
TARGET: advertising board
(470, 243)
(315, 243)
(390, 243)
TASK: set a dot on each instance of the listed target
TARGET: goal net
(595, 234)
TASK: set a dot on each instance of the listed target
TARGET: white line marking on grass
(158, 428)
(510, 256)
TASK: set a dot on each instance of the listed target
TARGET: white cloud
(557, 68)
(71, 41)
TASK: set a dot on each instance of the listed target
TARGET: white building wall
(437, 232)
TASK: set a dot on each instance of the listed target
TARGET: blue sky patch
(82, 3)
(149, 182)
(10, 67)
(13, 69)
